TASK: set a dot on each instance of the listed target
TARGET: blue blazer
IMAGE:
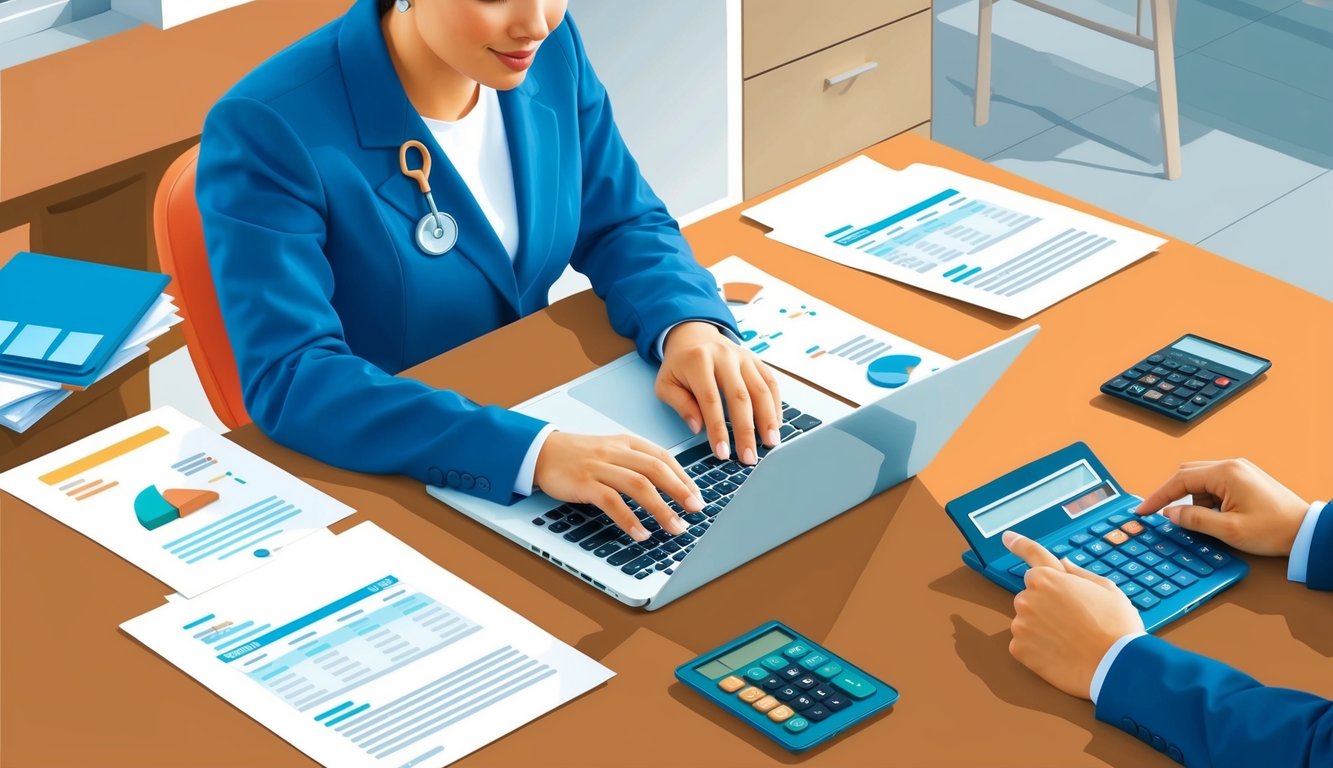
(310, 228)
(1202, 712)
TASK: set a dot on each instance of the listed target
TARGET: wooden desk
(882, 584)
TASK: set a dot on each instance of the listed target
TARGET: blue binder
(62, 319)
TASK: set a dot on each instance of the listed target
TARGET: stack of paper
(954, 235)
(24, 400)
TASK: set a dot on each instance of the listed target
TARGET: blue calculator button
(1183, 537)
(814, 661)
(1060, 550)
(796, 650)
(1212, 555)
(1130, 589)
(1165, 548)
(1020, 569)
(1167, 528)
(786, 693)
(1149, 559)
(774, 663)
(1166, 589)
(853, 685)
(1155, 520)
(805, 683)
(829, 671)
(1099, 568)
(1192, 563)
(1119, 519)
(1148, 579)
(1098, 548)
(817, 712)
(802, 703)
(1079, 539)
(1132, 568)
(772, 682)
(796, 724)
(1081, 558)
(790, 673)
(1184, 579)
(820, 692)
(1117, 578)
(1115, 559)
(1148, 537)
(1144, 601)
(1100, 529)
(757, 674)
(1133, 548)
(1167, 569)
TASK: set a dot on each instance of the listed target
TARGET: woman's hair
(385, 5)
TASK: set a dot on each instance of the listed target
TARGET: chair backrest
(179, 233)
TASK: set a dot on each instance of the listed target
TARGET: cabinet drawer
(778, 31)
(793, 124)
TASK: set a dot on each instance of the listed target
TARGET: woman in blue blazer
(311, 228)
(1080, 633)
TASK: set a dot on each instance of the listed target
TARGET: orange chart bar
(103, 456)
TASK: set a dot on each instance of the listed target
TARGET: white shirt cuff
(528, 469)
(1299, 561)
(661, 340)
(1099, 676)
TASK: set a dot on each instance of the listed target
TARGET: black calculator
(1187, 378)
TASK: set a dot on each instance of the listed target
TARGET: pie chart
(155, 509)
(740, 293)
(892, 371)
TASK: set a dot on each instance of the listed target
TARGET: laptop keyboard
(718, 481)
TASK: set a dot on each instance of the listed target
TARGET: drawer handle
(829, 82)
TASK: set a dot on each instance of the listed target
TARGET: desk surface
(882, 584)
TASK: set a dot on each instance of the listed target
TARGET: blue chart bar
(839, 230)
(333, 711)
(197, 622)
(966, 274)
(955, 270)
(352, 713)
(309, 618)
(883, 224)
(188, 460)
(198, 466)
(760, 347)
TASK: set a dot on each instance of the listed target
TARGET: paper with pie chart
(175, 498)
(809, 338)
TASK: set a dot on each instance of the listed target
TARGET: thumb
(681, 401)
(1194, 518)
(1083, 573)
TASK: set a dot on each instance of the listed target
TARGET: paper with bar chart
(792, 330)
(951, 234)
(175, 498)
(360, 651)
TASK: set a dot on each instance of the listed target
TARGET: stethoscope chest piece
(437, 233)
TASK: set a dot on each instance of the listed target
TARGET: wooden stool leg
(982, 99)
(1164, 52)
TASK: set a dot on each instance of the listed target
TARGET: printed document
(954, 235)
(360, 651)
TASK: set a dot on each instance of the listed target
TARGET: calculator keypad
(795, 695)
(1148, 558)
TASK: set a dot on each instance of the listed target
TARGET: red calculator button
(1222, 381)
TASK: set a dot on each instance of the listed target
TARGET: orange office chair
(179, 233)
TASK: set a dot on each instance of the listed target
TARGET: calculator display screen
(743, 656)
(1243, 363)
(1017, 507)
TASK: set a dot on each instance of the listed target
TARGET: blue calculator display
(1071, 505)
(790, 689)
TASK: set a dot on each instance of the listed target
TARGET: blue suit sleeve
(1204, 713)
(629, 246)
(1319, 566)
(264, 217)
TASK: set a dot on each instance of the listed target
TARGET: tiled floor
(1078, 111)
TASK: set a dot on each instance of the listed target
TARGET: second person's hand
(701, 371)
(596, 469)
(1255, 513)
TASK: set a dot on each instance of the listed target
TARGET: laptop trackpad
(624, 393)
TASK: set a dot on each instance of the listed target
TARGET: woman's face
(490, 41)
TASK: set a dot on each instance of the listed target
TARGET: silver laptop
(856, 453)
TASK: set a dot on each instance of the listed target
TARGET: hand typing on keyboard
(595, 469)
(1066, 618)
(701, 371)
(1234, 501)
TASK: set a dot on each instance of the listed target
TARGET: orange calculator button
(781, 713)
(731, 684)
(765, 704)
(751, 695)
(1117, 537)
(1133, 527)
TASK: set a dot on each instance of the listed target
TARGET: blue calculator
(788, 688)
(1071, 505)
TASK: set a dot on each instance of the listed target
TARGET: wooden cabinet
(798, 114)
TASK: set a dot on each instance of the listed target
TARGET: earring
(403, 5)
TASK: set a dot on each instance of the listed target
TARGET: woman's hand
(1253, 512)
(596, 470)
(701, 370)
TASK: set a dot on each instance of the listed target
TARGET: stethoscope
(436, 232)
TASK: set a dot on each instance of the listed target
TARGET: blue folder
(62, 319)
